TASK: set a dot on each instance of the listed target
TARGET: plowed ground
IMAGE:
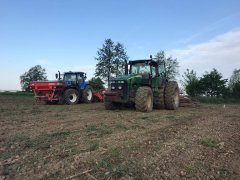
(59, 141)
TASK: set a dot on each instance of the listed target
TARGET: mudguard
(83, 85)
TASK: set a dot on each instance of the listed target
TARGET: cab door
(162, 71)
(155, 79)
(80, 80)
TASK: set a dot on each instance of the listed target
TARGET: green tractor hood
(128, 78)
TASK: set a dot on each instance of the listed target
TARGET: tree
(120, 58)
(172, 65)
(235, 78)
(191, 83)
(96, 83)
(236, 90)
(36, 73)
(234, 83)
(212, 84)
(110, 59)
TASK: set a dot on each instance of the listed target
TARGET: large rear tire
(144, 99)
(71, 96)
(172, 95)
(159, 97)
(87, 95)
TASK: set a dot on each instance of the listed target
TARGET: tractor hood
(127, 77)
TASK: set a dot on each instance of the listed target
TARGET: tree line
(211, 84)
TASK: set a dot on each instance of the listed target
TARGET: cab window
(140, 68)
(80, 78)
(70, 77)
(153, 71)
(161, 69)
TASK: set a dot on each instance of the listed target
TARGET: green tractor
(145, 85)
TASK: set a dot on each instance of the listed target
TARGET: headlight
(119, 87)
(121, 81)
(112, 87)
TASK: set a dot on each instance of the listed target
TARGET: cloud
(219, 24)
(222, 52)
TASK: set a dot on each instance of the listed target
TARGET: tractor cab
(73, 79)
(147, 68)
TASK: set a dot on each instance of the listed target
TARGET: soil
(85, 141)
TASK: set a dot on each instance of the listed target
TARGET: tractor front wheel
(172, 95)
(87, 95)
(71, 96)
(144, 99)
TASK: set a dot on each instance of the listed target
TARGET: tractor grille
(120, 86)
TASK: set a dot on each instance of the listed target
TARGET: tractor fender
(84, 85)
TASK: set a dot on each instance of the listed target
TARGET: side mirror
(56, 75)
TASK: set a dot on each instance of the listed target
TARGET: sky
(66, 34)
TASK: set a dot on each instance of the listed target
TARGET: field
(87, 142)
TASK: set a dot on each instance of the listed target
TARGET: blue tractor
(76, 88)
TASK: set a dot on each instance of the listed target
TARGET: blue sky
(65, 35)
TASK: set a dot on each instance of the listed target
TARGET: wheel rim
(149, 100)
(89, 95)
(73, 98)
(176, 99)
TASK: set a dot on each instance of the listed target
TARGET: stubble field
(85, 141)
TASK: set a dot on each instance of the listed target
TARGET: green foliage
(216, 100)
(212, 84)
(235, 78)
(210, 142)
(20, 93)
(171, 64)
(96, 83)
(36, 73)
(191, 83)
(111, 58)
(236, 90)
(234, 84)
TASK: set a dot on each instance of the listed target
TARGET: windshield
(140, 68)
(70, 77)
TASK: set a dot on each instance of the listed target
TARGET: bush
(216, 100)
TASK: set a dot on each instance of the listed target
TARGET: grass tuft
(119, 125)
(208, 141)
(98, 130)
(92, 146)
(113, 163)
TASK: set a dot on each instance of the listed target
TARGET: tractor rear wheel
(87, 96)
(144, 99)
(159, 96)
(172, 95)
(71, 96)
